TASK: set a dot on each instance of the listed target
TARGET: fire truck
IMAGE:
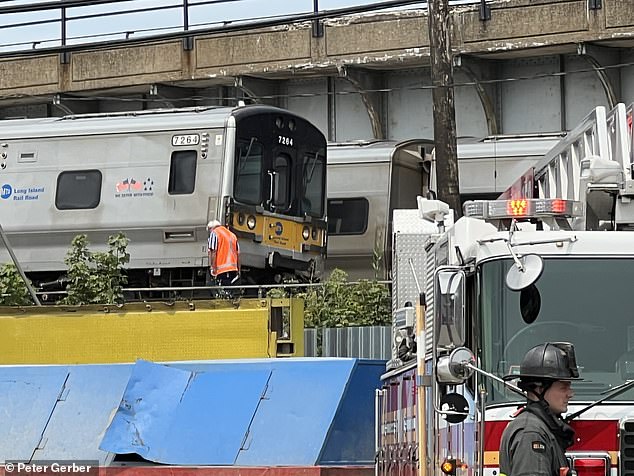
(551, 260)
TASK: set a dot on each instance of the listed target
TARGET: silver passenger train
(159, 176)
(368, 180)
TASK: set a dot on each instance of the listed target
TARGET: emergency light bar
(523, 208)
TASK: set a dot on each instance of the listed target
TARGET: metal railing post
(7, 245)
(318, 26)
(64, 55)
(188, 41)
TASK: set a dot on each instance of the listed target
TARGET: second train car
(159, 176)
(368, 180)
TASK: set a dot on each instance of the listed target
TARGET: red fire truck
(550, 261)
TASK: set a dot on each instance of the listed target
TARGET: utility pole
(444, 106)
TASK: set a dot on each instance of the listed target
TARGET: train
(367, 180)
(299, 205)
(159, 176)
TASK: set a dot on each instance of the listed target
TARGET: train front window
(248, 175)
(280, 176)
(584, 301)
(313, 175)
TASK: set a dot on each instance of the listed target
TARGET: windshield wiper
(308, 177)
(242, 160)
(616, 391)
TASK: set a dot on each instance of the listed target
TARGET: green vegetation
(339, 303)
(13, 291)
(96, 277)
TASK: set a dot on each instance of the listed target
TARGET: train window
(313, 180)
(347, 216)
(248, 182)
(78, 189)
(281, 181)
(182, 172)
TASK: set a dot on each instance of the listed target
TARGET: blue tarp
(269, 412)
(27, 400)
(173, 416)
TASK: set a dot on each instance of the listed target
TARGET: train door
(281, 180)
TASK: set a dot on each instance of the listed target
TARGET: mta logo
(7, 190)
(279, 228)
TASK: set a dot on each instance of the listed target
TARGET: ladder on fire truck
(594, 165)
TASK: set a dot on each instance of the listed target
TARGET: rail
(252, 289)
(69, 24)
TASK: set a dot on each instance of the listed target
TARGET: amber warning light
(523, 208)
(448, 466)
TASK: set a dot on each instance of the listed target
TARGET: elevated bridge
(362, 50)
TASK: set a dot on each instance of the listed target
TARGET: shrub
(338, 303)
(96, 277)
(13, 290)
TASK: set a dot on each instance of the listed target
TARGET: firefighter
(224, 255)
(535, 441)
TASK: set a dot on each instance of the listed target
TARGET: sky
(116, 27)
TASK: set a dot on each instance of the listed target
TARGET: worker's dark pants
(230, 278)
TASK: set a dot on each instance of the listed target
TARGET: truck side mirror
(449, 326)
(524, 272)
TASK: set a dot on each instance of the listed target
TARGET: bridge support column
(464, 63)
(369, 85)
(590, 54)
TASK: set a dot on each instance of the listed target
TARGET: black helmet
(549, 361)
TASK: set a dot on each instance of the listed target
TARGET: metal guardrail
(260, 289)
(65, 25)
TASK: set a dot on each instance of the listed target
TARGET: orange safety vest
(226, 251)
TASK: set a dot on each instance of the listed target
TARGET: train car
(488, 166)
(368, 180)
(159, 176)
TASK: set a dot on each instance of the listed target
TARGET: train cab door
(280, 180)
(278, 199)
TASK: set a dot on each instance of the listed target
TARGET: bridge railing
(36, 26)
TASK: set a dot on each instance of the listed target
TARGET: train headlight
(313, 234)
(251, 222)
(240, 219)
(305, 232)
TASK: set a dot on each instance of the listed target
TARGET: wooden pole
(421, 407)
(444, 107)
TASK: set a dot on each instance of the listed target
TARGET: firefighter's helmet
(549, 361)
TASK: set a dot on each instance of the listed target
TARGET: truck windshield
(585, 301)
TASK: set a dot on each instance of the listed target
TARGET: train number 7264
(285, 140)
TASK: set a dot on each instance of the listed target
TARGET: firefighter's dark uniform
(534, 444)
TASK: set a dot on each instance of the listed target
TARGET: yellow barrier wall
(154, 331)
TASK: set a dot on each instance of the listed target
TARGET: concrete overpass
(366, 55)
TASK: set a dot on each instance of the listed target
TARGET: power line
(272, 97)
(335, 93)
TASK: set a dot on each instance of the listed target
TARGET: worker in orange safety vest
(224, 254)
